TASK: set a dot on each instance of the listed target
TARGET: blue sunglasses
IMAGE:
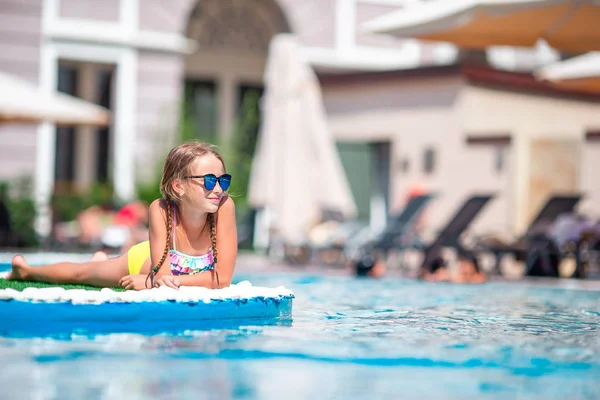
(210, 180)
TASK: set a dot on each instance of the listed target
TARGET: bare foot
(99, 256)
(20, 269)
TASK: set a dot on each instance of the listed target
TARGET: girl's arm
(227, 247)
(158, 236)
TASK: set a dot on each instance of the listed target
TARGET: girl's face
(200, 189)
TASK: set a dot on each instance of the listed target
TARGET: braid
(154, 270)
(213, 241)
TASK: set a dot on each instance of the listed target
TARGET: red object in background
(416, 190)
(131, 214)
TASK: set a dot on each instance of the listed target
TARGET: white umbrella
(567, 25)
(23, 102)
(296, 172)
(581, 73)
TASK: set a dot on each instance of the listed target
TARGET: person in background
(369, 265)
(435, 271)
(466, 270)
(128, 227)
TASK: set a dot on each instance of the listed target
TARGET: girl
(193, 236)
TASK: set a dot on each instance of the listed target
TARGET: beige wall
(20, 21)
(529, 117)
(553, 168)
(159, 94)
(590, 179)
(105, 10)
(414, 114)
(165, 16)
(244, 66)
(313, 21)
(366, 12)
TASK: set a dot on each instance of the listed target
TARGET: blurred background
(331, 114)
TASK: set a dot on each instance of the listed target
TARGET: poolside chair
(534, 234)
(399, 225)
(399, 234)
(449, 236)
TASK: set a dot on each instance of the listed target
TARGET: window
(104, 82)
(405, 165)
(82, 159)
(248, 117)
(497, 142)
(500, 158)
(64, 163)
(429, 160)
(592, 136)
(200, 118)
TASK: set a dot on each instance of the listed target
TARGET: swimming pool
(350, 339)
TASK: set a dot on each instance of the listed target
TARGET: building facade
(140, 58)
(462, 130)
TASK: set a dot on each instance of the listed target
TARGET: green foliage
(240, 151)
(149, 191)
(192, 126)
(22, 209)
(67, 204)
(23, 214)
(21, 285)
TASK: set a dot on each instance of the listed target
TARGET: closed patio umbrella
(297, 171)
(571, 26)
(23, 102)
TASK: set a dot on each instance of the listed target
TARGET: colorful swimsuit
(181, 264)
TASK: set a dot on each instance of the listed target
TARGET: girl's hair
(177, 165)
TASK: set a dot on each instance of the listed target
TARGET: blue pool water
(349, 339)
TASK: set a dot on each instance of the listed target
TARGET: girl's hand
(167, 280)
(134, 282)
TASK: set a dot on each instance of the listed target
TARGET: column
(345, 25)
(520, 174)
(124, 112)
(125, 125)
(85, 141)
(227, 92)
(45, 146)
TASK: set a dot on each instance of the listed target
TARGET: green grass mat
(20, 285)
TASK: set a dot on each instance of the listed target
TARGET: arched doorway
(233, 37)
(224, 82)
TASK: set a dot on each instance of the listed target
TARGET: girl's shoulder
(158, 207)
(227, 206)
(226, 209)
(158, 204)
(226, 201)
